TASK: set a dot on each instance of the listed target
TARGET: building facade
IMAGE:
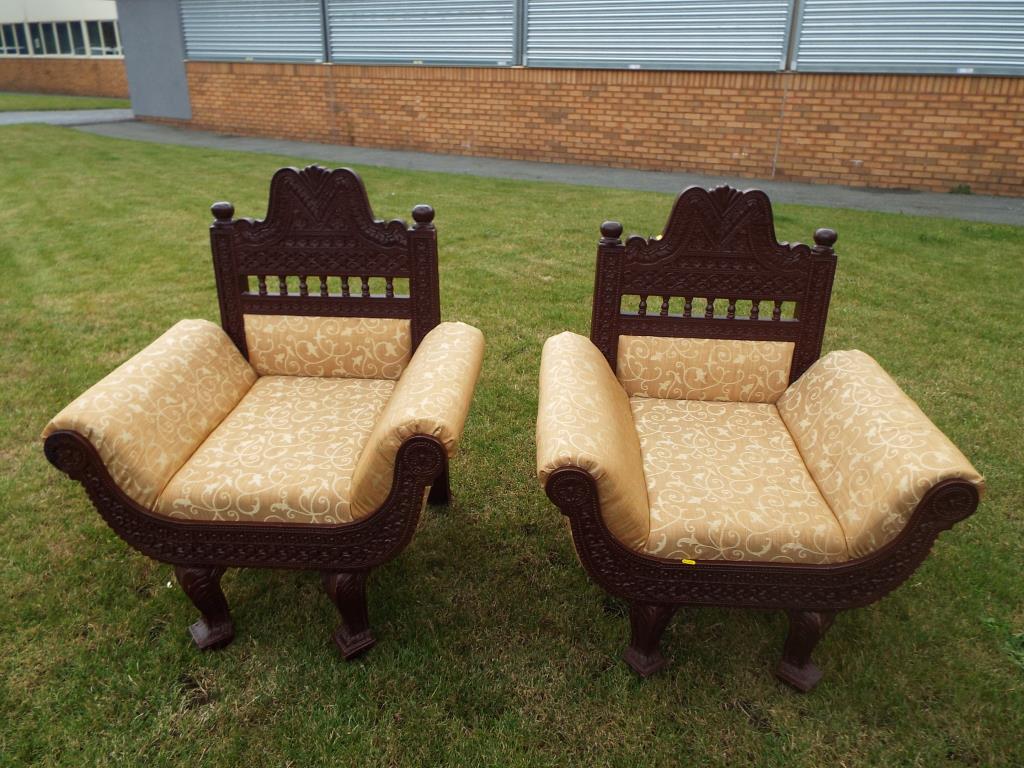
(61, 46)
(921, 94)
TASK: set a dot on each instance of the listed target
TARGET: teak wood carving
(721, 245)
(319, 224)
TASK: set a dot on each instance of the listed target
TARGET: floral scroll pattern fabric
(334, 347)
(726, 482)
(870, 449)
(725, 370)
(432, 398)
(285, 454)
(584, 421)
(148, 416)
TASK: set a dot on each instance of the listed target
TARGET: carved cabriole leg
(348, 593)
(647, 623)
(440, 491)
(806, 628)
(202, 585)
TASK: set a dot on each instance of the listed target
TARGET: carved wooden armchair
(704, 455)
(305, 433)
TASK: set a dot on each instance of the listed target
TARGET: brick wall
(902, 131)
(86, 76)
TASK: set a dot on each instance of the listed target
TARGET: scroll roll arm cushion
(870, 449)
(431, 398)
(584, 421)
(151, 413)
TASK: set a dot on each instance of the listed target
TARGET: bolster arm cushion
(431, 398)
(872, 452)
(150, 414)
(584, 421)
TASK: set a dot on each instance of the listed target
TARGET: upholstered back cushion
(584, 421)
(149, 415)
(704, 369)
(333, 347)
(869, 448)
(431, 398)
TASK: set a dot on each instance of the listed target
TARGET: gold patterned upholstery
(828, 470)
(584, 421)
(727, 370)
(148, 416)
(285, 454)
(432, 398)
(726, 482)
(337, 347)
(869, 448)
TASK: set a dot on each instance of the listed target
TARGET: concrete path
(999, 210)
(67, 117)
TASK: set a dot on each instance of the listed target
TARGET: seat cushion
(726, 482)
(286, 453)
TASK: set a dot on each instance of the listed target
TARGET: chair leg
(806, 628)
(347, 591)
(440, 491)
(647, 624)
(202, 585)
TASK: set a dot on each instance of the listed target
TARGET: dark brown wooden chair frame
(722, 244)
(318, 225)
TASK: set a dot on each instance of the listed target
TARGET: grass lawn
(495, 648)
(33, 102)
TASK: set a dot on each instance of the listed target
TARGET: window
(109, 38)
(7, 45)
(77, 38)
(37, 39)
(49, 39)
(95, 42)
(63, 38)
(19, 30)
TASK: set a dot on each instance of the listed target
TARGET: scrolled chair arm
(431, 399)
(145, 418)
(584, 422)
(874, 455)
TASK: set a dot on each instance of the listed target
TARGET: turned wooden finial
(611, 231)
(423, 215)
(825, 238)
(222, 212)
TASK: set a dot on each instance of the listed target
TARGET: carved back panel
(319, 251)
(716, 272)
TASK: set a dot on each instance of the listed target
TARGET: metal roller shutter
(423, 31)
(959, 36)
(257, 30)
(658, 34)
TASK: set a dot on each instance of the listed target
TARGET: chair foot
(214, 629)
(806, 628)
(647, 624)
(441, 491)
(347, 591)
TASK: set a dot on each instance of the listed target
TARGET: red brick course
(86, 76)
(910, 131)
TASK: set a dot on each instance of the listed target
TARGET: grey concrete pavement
(999, 210)
(67, 117)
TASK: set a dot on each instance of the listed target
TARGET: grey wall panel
(965, 36)
(154, 55)
(658, 34)
(253, 30)
(423, 31)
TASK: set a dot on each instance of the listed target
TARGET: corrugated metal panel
(658, 34)
(423, 31)
(965, 36)
(257, 30)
